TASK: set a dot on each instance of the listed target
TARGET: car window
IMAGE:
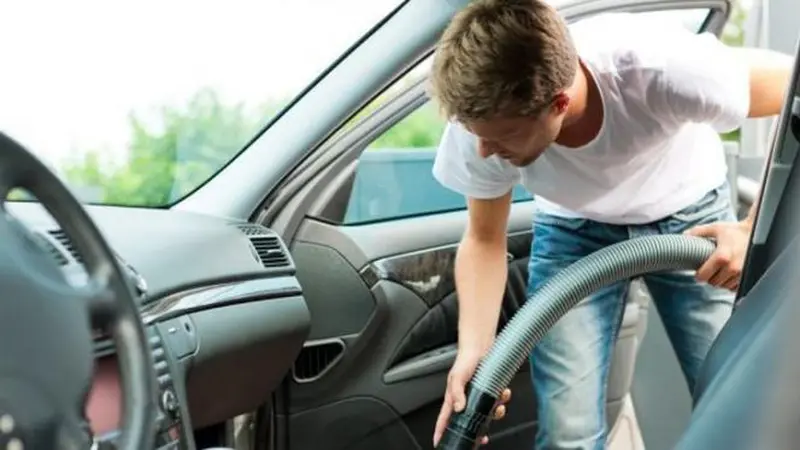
(139, 103)
(393, 178)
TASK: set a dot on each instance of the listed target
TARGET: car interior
(264, 311)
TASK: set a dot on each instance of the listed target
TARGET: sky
(73, 70)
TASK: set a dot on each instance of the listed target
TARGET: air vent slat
(103, 346)
(66, 242)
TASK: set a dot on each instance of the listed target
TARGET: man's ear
(560, 103)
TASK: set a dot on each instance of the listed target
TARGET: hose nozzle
(466, 428)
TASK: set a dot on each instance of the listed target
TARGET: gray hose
(561, 293)
(547, 305)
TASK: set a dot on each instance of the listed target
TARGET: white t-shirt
(666, 92)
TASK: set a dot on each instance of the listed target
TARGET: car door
(746, 397)
(374, 238)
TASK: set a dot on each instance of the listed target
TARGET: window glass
(691, 18)
(393, 178)
(140, 102)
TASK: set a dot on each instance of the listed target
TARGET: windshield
(138, 103)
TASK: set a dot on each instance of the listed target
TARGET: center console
(171, 423)
(103, 410)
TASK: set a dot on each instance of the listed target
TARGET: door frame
(770, 235)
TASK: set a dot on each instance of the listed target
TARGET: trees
(166, 161)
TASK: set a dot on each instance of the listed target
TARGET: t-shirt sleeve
(460, 168)
(700, 80)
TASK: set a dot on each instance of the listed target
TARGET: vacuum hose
(547, 305)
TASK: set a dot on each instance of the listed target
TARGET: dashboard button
(169, 402)
(179, 336)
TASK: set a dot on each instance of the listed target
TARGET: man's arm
(481, 271)
(770, 74)
(480, 266)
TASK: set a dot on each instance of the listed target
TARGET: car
(297, 292)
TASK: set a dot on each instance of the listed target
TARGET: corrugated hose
(625, 260)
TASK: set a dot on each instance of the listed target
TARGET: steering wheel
(46, 323)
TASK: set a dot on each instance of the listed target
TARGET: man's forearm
(770, 74)
(481, 271)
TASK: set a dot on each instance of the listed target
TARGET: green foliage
(420, 129)
(733, 33)
(169, 159)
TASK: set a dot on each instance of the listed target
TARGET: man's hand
(454, 399)
(724, 267)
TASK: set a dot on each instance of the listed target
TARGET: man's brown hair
(502, 58)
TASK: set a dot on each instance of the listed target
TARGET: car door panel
(397, 345)
(342, 301)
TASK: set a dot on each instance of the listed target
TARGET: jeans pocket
(713, 207)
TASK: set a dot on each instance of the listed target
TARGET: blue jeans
(570, 365)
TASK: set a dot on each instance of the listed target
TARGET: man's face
(518, 140)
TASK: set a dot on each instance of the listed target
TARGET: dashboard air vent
(270, 251)
(65, 241)
(316, 359)
(52, 249)
(267, 245)
(103, 346)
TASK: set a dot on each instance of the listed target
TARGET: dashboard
(224, 313)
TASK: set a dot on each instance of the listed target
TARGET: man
(617, 139)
